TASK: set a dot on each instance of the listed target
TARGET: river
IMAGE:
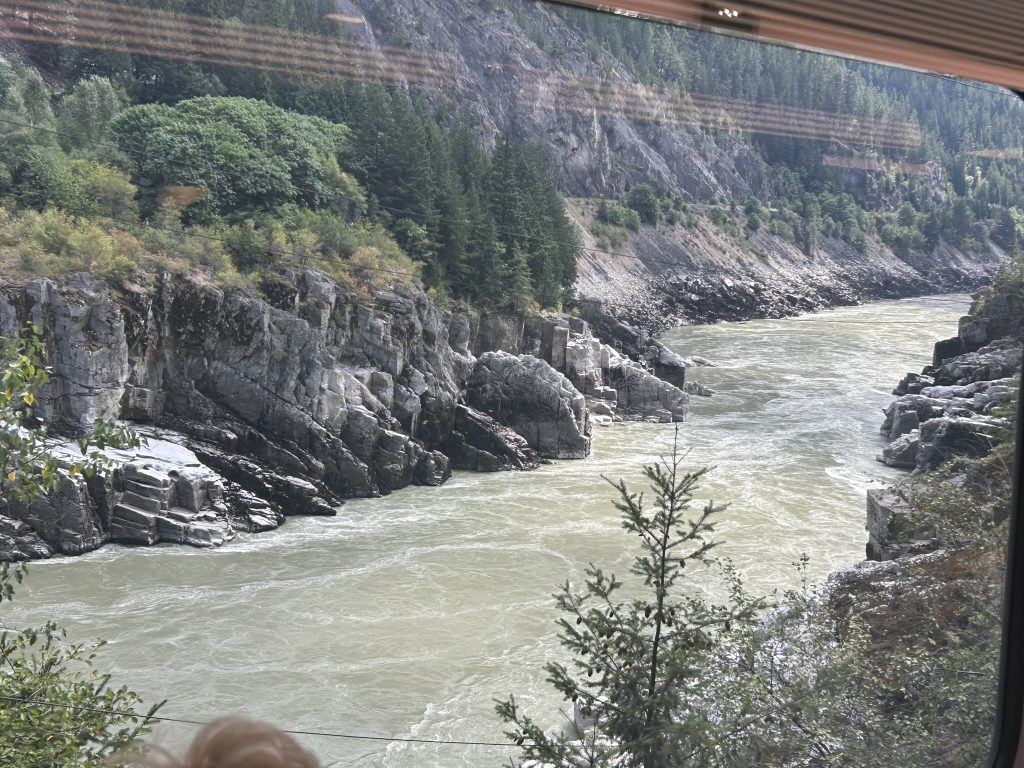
(405, 616)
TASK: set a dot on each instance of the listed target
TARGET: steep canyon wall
(255, 408)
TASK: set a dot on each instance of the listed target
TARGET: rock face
(290, 404)
(894, 529)
(535, 400)
(481, 443)
(511, 67)
(159, 492)
(531, 71)
(950, 408)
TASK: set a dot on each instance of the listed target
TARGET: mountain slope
(784, 172)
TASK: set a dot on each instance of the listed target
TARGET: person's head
(231, 742)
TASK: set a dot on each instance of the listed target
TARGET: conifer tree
(637, 663)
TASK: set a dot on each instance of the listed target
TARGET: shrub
(101, 190)
(618, 215)
(51, 242)
(609, 237)
(639, 667)
(46, 179)
(644, 201)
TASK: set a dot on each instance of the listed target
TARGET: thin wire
(294, 732)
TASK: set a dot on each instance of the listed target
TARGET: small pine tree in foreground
(639, 666)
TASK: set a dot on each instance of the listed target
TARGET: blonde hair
(230, 742)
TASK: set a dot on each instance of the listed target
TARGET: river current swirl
(406, 616)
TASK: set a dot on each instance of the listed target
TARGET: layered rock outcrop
(290, 403)
(535, 400)
(954, 408)
(951, 408)
(160, 492)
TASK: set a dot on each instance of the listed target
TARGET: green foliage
(608, 236)
(642, 199)
(49, 178)
(52, 243)
(45, 178)
(1005, 233)
(617, 215)
(879, 671)
(537, 240)
(636, 663)
(83, 721)
(962, 220)
(86, 115)
(246, 155)
(376, 258)
(26, 468)
(24, 107)
(101, 191)
(893, 680)
(724, 220)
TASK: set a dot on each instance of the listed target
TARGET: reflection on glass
(387, 291)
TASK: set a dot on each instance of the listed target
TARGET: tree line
(326, 169)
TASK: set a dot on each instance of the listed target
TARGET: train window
(337, 335)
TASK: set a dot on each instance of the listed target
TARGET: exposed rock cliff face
(256, 409)
(669, 275)
(527, 69)
(948, 410)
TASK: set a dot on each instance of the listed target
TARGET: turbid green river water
(405, 616)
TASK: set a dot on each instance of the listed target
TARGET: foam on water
(406, 616)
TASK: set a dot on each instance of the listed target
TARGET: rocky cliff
(524, 67)
(958, 408)
(672, 274)
(256, 408)
(528, 68)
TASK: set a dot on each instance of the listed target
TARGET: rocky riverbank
(921, 618)
(668, 275)
(934, 542)
(957, 407)
(255, 408)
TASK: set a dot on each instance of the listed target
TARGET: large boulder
(70, 519)
(895, 528)
(528, 395)
(642, 393)
(19, 542)
(952, 409)
(159, 492)
(998, 360)
(478, 442)
(949, 436)
(668, 365)
(903, 451)
(906, 414)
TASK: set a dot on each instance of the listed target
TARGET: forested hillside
(965, 129)
(447, 162)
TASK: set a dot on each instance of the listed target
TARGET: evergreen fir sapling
(639, 665)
